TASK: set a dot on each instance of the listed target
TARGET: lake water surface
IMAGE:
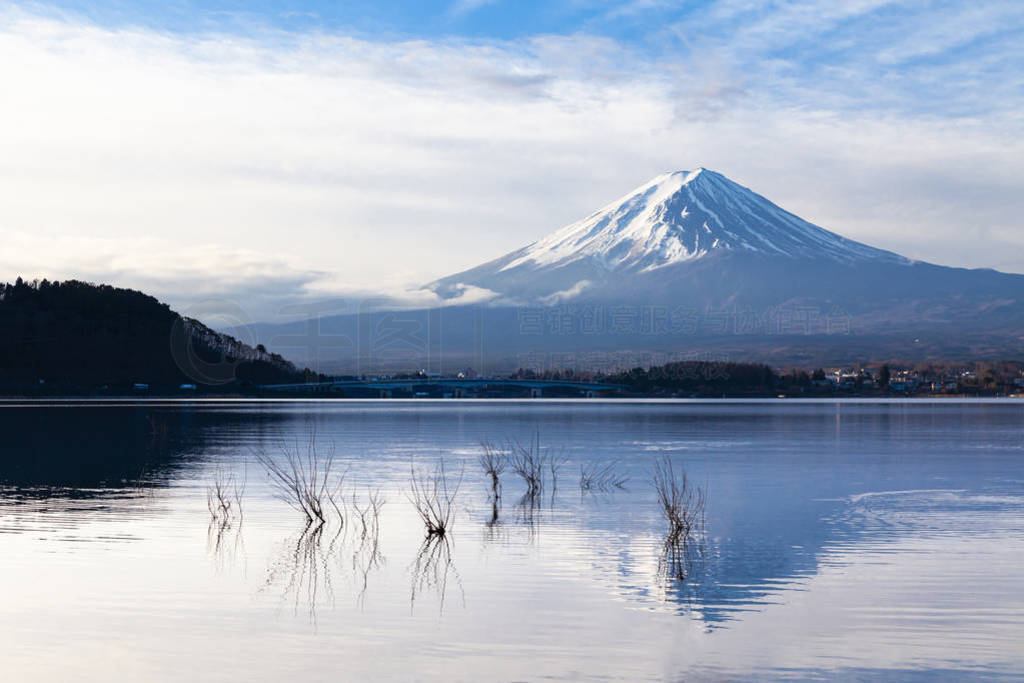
(844, 540)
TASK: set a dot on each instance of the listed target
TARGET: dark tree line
(701, 377)
(83, 336)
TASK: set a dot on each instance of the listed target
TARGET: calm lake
(844, 540)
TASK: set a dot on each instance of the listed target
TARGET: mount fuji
(689, 263)
(676, 220)
(698, 239)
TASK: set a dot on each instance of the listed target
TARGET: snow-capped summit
(675, 219)
(683, 216)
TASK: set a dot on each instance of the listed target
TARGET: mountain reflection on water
(800, 496)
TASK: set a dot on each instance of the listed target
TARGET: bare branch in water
(493, 462)
(528, 460)
(224, 496)
(555, 462)
(434, 498)
(238, 489)
(304, 478)
(601, 476)
(537, 466)
(368, 513)
(683, 506)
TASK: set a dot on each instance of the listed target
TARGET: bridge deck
(443, 382)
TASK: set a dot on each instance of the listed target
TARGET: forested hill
(78, 336)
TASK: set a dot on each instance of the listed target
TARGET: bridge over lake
(456, 387)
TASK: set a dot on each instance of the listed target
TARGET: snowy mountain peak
(682, 216)
(646, 239)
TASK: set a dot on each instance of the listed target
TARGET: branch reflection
(224, 543)
(432, 569)
(303, 572)
(367, 556)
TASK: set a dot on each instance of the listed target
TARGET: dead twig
(493, 461)
(434, 498)
(304, 477)
(601, 476)
(224, 495)
(683, 506)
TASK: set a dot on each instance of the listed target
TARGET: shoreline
(176, 400)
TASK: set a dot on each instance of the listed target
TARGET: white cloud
(295, 167)
(567, 294)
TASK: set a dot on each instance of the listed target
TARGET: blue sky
(270, 153)
(480, 19)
